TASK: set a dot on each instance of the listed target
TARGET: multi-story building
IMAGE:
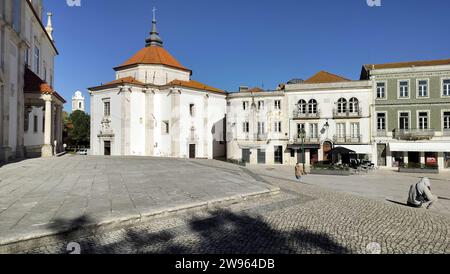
(154, 108)
(30, 109)
(412, 112)
(265, 127)
(257, 126)
(331, 111)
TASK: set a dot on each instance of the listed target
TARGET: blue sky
(246, 42)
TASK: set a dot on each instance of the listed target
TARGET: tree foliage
(77, 127)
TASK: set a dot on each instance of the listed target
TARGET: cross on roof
(154, 13)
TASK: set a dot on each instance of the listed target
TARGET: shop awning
(419, 147)
(306, 146)
(360, 149)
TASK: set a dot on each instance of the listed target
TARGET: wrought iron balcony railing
(297, 114)
(347, 139)
(347, 114)
(414, 134)
(306, 140)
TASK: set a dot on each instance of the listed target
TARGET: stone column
(47, 147)
(149, 123)
(206, 129)
(441, 160)
(422, 157)
(175, 124)
(58, 131)
(405, 157)
(20, 135)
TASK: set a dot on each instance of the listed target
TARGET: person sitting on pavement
(420, 194)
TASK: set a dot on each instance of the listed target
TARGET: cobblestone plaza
(301, 218)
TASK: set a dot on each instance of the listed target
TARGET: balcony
(414, 134)
(347, 114)
(300, 115)
(261, 137)
(308, 140)
(446, 132)
(382, 133)
(347, 139)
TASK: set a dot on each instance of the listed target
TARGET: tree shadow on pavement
(222, 232)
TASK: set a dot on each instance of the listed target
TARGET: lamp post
(301, 136)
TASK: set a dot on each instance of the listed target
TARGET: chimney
(243, 88)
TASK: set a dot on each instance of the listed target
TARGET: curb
(45, 237)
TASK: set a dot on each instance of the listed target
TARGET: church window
(192, 110)
(165, 127)
(35, 124)
(107, 108)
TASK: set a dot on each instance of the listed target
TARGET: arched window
(354, 105)
(301, 106)
(312, 106)
(342, 105)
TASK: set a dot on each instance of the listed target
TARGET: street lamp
(301, 136)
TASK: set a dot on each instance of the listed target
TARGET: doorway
(278, 155)
(192, 151)
(107, 148)
(246, 155)
(327, 146)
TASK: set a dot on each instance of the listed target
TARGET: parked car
(82, 152)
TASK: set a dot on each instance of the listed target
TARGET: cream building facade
(30, 109)
(264, 127)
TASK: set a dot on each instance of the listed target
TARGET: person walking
(298, 172)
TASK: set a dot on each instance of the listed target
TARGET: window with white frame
(302, 106)
(423, 120)
(403, 89)
(17, 10)
(278, 127)
(35, 124)
(165, 127)
(381, 90)
(446, 120)
(27, 57)
(354, 130)
(422, 86)
(192, 110)
(278, 104)
(312, 106)
(340, 130)
(446, 87)
(301, 129)
(245, 105)
(313, 131)
(381, 121)
(342, 105)
(37, 59)
(261, 128)
(246, 127)
(404, 120)
(260, 105)
(106, 108)
(354, 105)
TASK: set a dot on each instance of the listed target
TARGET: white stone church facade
(153, 108)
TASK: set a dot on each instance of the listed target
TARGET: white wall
(154, 74)
(97, 116)
(35, 138)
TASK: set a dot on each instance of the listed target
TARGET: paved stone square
(383, 185)
(304, 218)
(37, 194)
